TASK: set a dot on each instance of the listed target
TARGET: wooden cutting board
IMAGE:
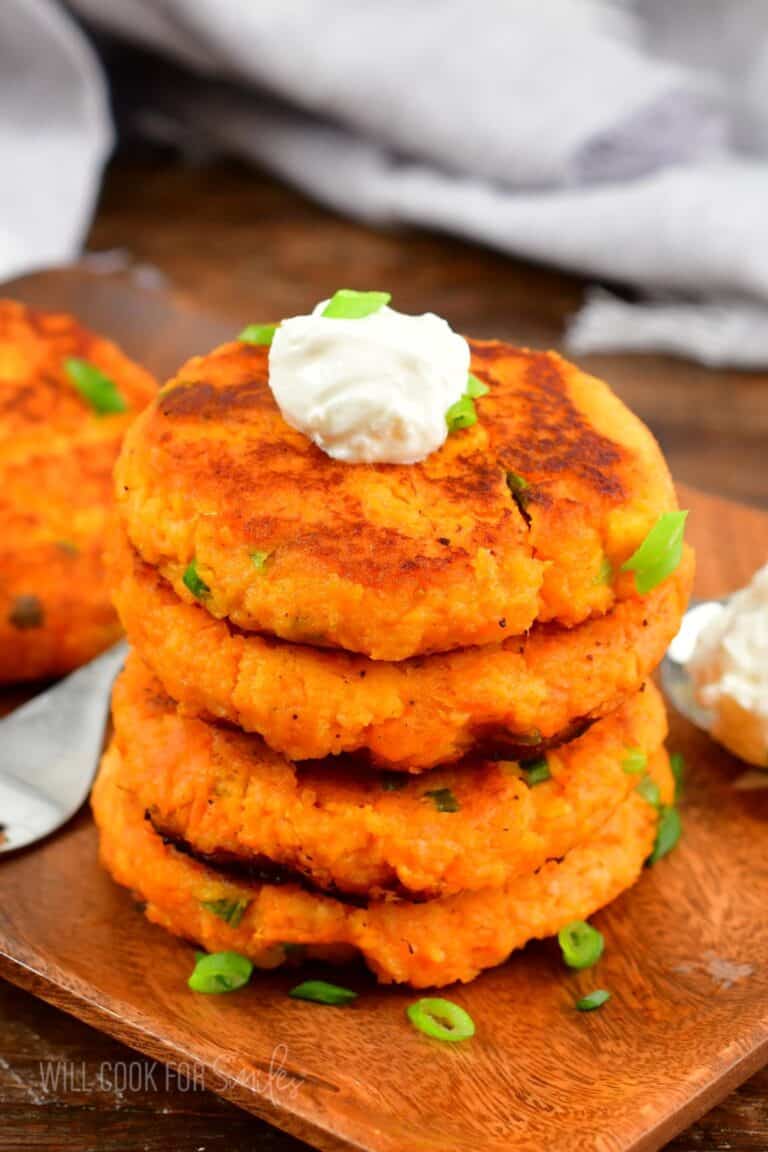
(686, 955)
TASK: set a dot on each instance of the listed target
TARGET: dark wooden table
(246, 247)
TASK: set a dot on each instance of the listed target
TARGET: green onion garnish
(668, 833)
(319, 992)
(649, 790)
(441, 1019)
(635, 762)
(593, 1000)
(659, 554)
(462, 414)
(220, 972)
(475, 387)
(230, 911)
(259, 559)
(94, 387)
(536, 772)
(677, 764)
(443, 799)
(258, 334)
(516, 483)
(346, 304)
(196, 585)
(581, 944)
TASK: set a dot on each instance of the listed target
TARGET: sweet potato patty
(308, 703)
(432, 943)
(525, 516)
(56, 461)
(471, 826)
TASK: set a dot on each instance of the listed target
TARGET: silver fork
(49, 751)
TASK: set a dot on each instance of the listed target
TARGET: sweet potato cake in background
(338, 827)
(432, 943)
(67, 396)
(526, 516)
(515, 698)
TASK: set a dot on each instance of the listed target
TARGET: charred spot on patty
(26, 612)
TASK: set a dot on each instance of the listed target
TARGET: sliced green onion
(443, 799)
(259, 559)
(320, 992)
(668, 833)
(581, 944)
(462, 414)
(475, 387)
(393, 781)
(536, 772)
(230, 911)
(659, 554)
(97, 389)
(258, 334)
(195, 583)
(677, 764)
(649, 790)
(220, 972)
(346, 304)
(593, 1000)
(516, 483)
(441, 1019)
(635, 762)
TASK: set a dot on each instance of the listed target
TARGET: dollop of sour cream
(369, 390)
(729, 669)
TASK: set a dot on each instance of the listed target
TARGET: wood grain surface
(687, 955)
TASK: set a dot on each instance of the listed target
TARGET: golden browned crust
(432, 943)
(308, 703)
(386, 560)
(348, 829)
(56, 460)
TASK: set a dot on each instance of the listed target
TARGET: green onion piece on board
(593, 1000)
(230, 911)
(649, 790)
(220, 972)
(635, 762)
(443, 799)
(320, 992)
(668, 833)
(677, 764)
(581, 944)
(475, 387)
(196, 585)
(258, 334)
(462, 414)
(94, 387)
(537, 772)
(659, 554)
(346, 304)
(441, 1019)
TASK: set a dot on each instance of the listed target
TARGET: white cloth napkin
(55, 135)
(627, 141)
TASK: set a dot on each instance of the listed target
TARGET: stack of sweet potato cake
(402, 711)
